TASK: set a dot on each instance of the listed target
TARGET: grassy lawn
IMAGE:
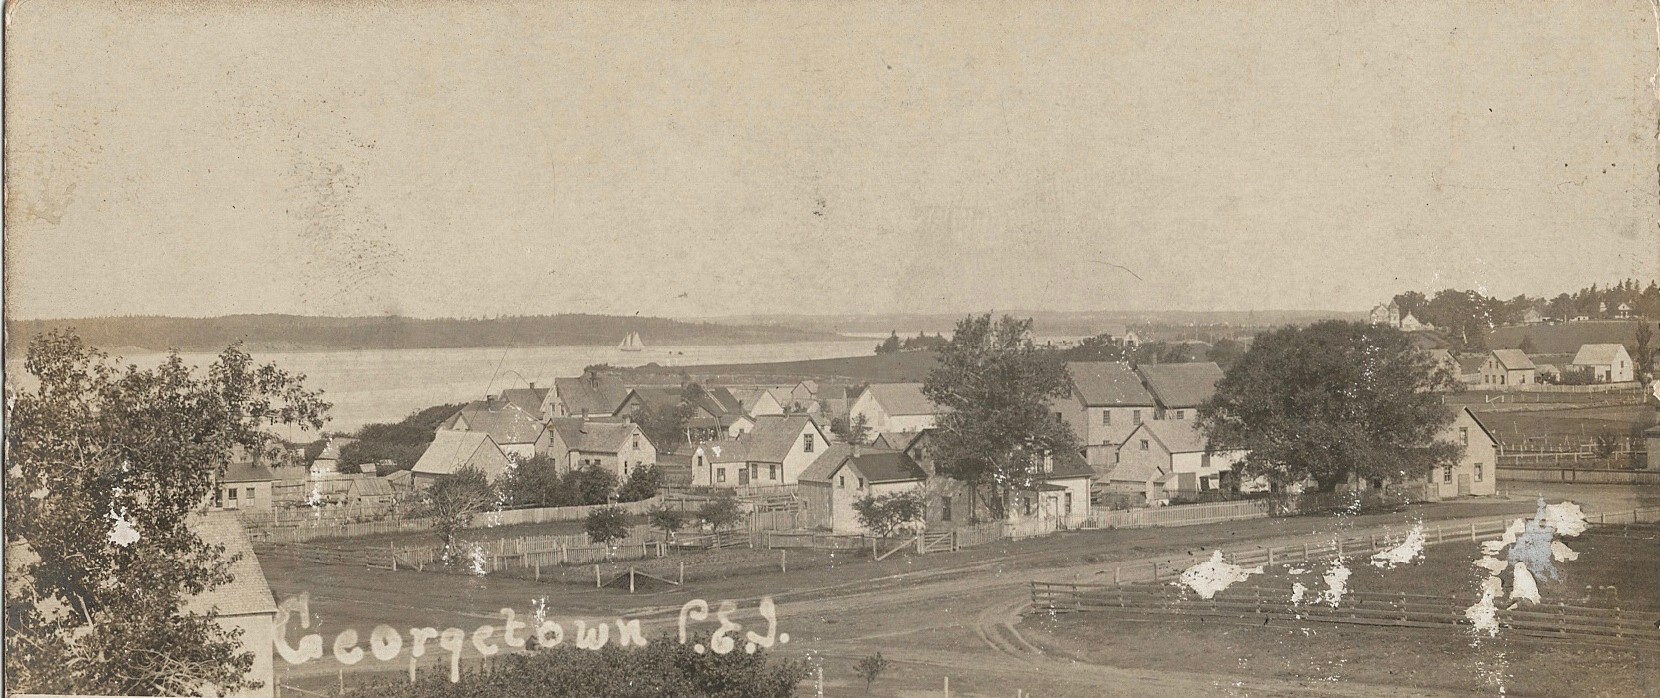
(1578, 424)
(1615, 569)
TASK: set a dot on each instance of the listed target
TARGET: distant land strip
(301, 333)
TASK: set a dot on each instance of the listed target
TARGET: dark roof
(1101, 383)
(719, 402)
(592, 436)
(1181, 385)
(505, 422)
(527, 399)
(876, 465)
(1067, 464)
(896, 440)
(247, 472)
(595, 394)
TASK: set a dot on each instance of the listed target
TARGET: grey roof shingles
(505, 422)
(902, 399)
(247, 593)
(1104, 383)
(1513, 359)
(450, 451)
(595, 395)
(1181, 385)
(1597, 355)
(877, 465)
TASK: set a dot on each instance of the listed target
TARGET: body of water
(386, 385)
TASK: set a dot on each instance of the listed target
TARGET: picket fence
(1599, 476)
(262, 532)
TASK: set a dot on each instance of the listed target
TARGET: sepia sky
(695, 159)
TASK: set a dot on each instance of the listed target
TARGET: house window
(1068, 503)
(945, 508)
(1446, 474)
(1204, 460)
(231, 494)
(1106, 418)
(1143, 444)
(1060, 417)
(772, 471)
(248, 494)
(1464, 435)
(807, 443)
(1026, 504)
(1116, 456)
(841, 482)
(754, 469)
(636, 442)
(1180, 414)
(218, 499)
(1135, 416)
(720, 474)
(1478, 472)
(861, 483)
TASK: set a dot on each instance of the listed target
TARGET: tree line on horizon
(1467, 315)
(392, 332)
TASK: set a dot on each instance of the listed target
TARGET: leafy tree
(532, 483)
(1409, 302)
(721, 512)
(885, 515)
(642, 483)
(889, 345)
(1645, 343)
(401, 442)
(1330, 401)
(1101, 347)
(606, 525)
(858, 430)
(923, 342)
(665, 426)
(586, 486)
(667, 520)
(454, 500)
(1225, 352)
(663, 667)
(107, 465)
(871, 667)
(996, 384)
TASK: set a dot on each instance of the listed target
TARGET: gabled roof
(247, 593)
(1477, 419)
(450, 450)
(1068, 464)
(505, 422)
(897, 440)
(655, 397)
(399, 478)
(1598, 354)
(1514, 359)
(1135, 472)
(1181, 385)
(774, 436)
(245, 471)
(373, 486)
(1104, 383)
(725, 450)
(527, 399)
(876, 465)
(596, 394)
(902, 399)
(718, 401)
(592, 436)
(1470, 363)
(1177, 435)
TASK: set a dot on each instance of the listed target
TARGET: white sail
(632, 342)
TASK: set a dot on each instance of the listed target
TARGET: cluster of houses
(1513, 369)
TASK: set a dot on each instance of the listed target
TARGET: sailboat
(632, 342)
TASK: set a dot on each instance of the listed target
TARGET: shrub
(606, 525)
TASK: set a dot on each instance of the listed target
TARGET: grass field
(1581, 424)
(1615, 569)
(1564, 338)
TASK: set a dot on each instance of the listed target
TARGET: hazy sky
(688, 158)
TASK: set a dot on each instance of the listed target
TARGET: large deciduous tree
(996, 385)
(1333, 400)
(106, 466)
(453, 501)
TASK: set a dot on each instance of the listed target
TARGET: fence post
(597, 583)
(1439, 536)
(783, 561)
(1115, 576)
(1270, 556)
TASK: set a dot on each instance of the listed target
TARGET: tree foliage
(642, 483)
(722, 512)
(885, 515)
(890, 345)
(606, 525)
(538, 483)
(401, 442)
(1225, 352)
(664, 425)
(1332, 400)
(664, 668)
(997, 385)
(667, 520)
(106, 466)
(454, 500)
(870, 668)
